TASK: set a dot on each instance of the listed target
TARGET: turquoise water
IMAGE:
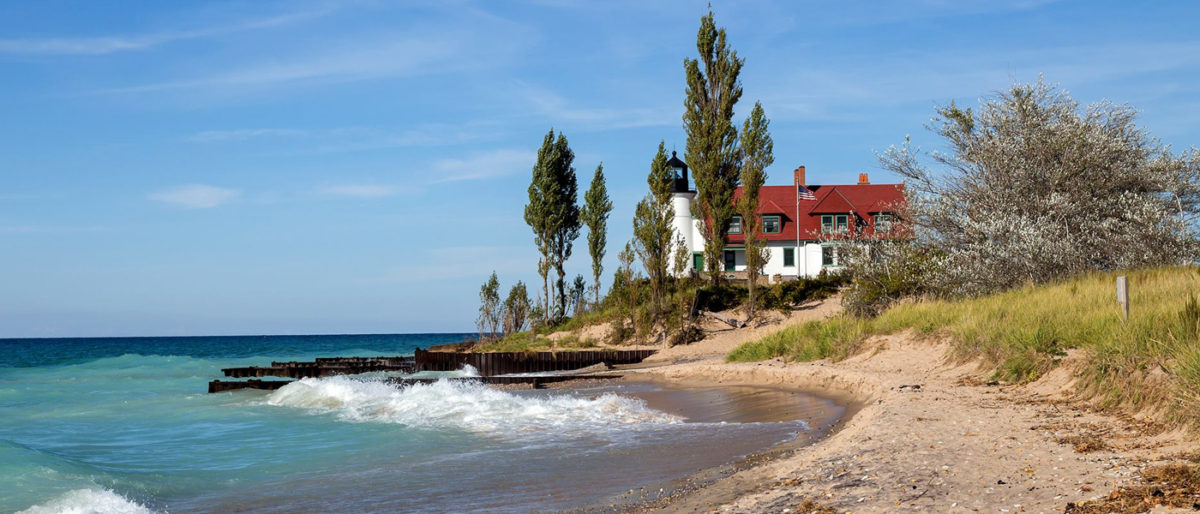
(125, 425)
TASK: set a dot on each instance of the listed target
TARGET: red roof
(864, 200)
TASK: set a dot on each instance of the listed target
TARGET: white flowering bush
(1034, 188)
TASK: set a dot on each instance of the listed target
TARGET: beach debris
(1171, 485)
(728, 320)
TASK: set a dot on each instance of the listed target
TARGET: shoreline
(921, 433)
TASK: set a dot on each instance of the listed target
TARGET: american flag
(802, 193)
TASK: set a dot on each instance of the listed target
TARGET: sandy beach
(924, 434)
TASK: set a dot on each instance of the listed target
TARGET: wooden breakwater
(324, 366)
(489, 365)
(535, 382)
(506, 363)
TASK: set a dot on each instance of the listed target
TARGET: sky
(305, 166)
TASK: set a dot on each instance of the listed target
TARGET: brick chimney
(799, 174)
(863, 179)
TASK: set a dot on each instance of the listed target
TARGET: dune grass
(1150, 361)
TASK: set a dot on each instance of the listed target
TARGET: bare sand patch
(932, 435)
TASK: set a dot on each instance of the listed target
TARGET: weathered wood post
(1123, 295)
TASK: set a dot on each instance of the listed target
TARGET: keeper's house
(802, 234)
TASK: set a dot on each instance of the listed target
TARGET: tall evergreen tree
(757, 154)
(553, 215)
(712, 142)
(595, 212)
(652, 229)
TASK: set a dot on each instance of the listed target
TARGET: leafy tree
(679, 260)
(578, 295)
(652, 228)
(1034, 189)
(516, 309)
(595, 212)
(489, 308)
(712, 142)
(537, 212)
(553, 214)
(757, 154)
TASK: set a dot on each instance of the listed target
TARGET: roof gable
(833, 201)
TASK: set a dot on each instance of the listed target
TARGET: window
(883, 223)
(771, 224)
(829, 256)
(730, 261)
(835, 223)
(789, 257)
(735, 225)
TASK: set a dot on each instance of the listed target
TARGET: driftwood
(733, 322)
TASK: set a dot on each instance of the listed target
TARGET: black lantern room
(679, 171)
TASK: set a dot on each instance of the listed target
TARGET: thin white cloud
(496, 163)
(351, 139)
(359, 190)
(112, 44)
(195, 196)
(412, 53)
(555, 107)
(208, 136)
(460, 262)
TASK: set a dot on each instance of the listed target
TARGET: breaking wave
(463, 405)
(89, 501)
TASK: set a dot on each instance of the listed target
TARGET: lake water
(125, 425)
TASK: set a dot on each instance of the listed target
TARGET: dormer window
(771, 224)
(835, 223)
(883, 223)
(735, 225)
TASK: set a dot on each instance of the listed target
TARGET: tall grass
(1151, 361)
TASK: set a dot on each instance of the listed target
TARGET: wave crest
(463, 405)
(89, 501)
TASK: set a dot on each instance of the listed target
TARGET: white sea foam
(89, 501)
(463, 405)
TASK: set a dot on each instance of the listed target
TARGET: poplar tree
(712, 142)
(537, 214)
(489, 308)
(553, 214)
(757, 148)
(595, 212)
(652, 229)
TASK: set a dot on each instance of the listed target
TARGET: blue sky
(186, 168)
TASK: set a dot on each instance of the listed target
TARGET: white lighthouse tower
(681, 200)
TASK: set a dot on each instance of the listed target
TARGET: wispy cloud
(833, 91)
(350, 139)
(195, 196)
(44, 229)
(243, 134)
(557, 107)
(496, 163)
(360, 190)
(460, 262)
(122, 43)
(414, 52)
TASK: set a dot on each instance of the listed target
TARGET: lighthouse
(681, 200)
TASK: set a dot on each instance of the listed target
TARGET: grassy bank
(1150, 361)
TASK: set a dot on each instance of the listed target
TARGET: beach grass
(1151, 361)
